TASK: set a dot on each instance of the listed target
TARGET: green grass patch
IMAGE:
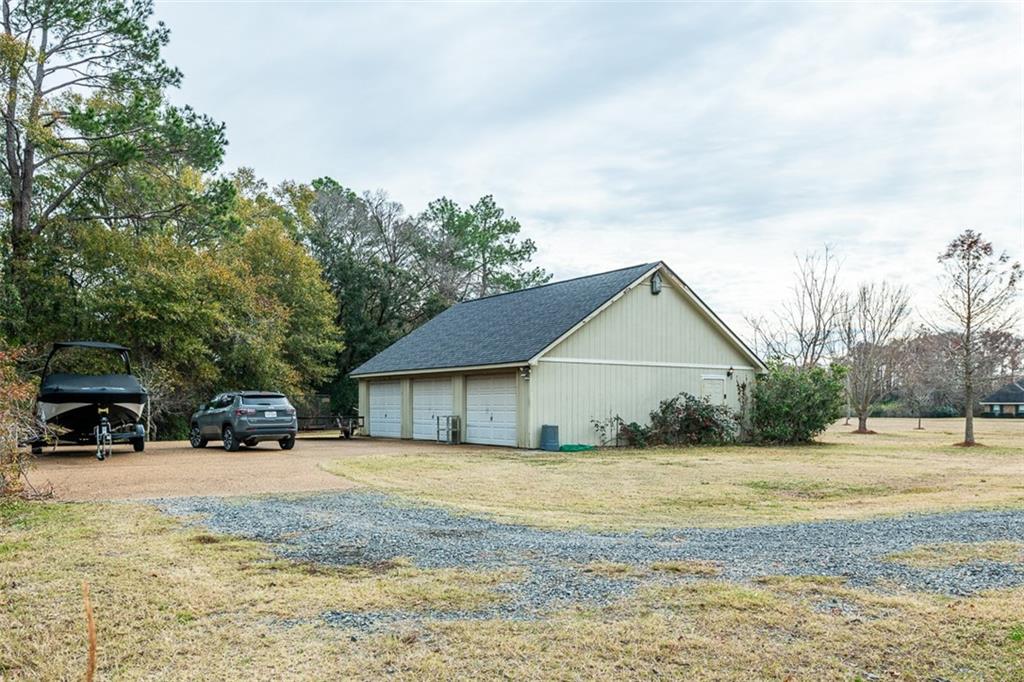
(815, 489)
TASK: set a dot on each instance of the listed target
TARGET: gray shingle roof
(1010, 393)
(501, 329)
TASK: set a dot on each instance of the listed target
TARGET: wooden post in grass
(90, 626)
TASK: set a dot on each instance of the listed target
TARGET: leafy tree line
(119, 225)
(391, 271)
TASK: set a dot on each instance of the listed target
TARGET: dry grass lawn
(846, 476)
(174, 603)
(953, 553)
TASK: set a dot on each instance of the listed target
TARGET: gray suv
(244, 418)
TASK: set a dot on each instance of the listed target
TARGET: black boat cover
(84, 383)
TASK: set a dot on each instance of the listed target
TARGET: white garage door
(491, 410)
(431, 398)
(386, 409)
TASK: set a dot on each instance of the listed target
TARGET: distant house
(1008, 401)
(566, 353)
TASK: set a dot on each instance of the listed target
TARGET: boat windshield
(83, 360)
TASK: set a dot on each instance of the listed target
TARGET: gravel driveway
(360, 527)
(174, 468)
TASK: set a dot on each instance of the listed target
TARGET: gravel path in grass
(366, 528)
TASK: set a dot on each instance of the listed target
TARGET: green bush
(614, 431)
(689, 420)
(904, 409)
(635, 435)
(171, 427)
(792, 405)
(891, 409)
(682, 420)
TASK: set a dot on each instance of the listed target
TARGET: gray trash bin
(549, 437)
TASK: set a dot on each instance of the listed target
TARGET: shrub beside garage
(786, 405)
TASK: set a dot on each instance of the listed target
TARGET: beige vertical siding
(662, 328)
(634, 354)
(406, 407)
(571, 395)
(364, 404)
(459, 400)
(522, 410)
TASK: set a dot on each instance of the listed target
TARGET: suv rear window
(278, 400)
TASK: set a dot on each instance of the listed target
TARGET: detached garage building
(565, 353)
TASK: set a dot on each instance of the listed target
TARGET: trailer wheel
(139, 444)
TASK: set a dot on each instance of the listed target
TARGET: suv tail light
(290, 411)
(244, 410)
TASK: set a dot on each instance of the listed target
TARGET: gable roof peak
(508, 328)
(561, 281)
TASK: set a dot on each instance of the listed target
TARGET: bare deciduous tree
(806, 331)
(870, 323)
(918, 370)
(976, 297)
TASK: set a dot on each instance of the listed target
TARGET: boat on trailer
(77, 406)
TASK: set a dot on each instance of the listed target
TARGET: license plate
(271, 414)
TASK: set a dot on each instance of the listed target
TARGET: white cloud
(720, 138)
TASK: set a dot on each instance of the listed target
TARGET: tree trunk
(969, 414)
(848, 406)
(862, 423)
(16, 267)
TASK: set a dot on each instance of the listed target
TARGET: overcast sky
(720, 138)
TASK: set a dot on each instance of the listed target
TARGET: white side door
(491, 410)
(713, 388)
(431, 398)
(386, 409)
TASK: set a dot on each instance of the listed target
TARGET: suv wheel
(231, 443)
(138, 444)
(287, 443)
(195, 437)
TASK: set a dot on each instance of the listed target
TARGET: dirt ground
(174, 468)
